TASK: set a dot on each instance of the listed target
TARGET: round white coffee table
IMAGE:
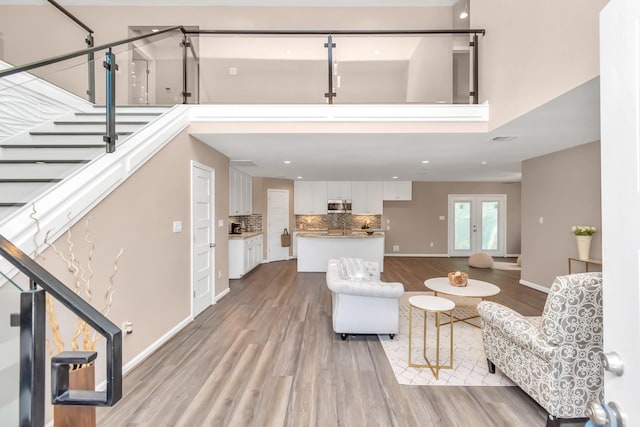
(437, 305)
(474, 289)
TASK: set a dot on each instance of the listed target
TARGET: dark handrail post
(186, 44)
(330, 45)
(31, 321)
(110, 102)
(476, 92)
(91, 90)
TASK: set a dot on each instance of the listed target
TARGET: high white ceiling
(569, 120)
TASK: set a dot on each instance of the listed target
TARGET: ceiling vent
(242, 163)
(503, 138)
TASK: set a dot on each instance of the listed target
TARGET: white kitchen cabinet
(244, 255)
(396, 190)
(310, 197)
(339, 190)
(366, 197)
(240, 193)
(294, 244)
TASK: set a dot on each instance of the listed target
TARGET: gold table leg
(435, 368)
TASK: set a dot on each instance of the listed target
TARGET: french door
(477, 223)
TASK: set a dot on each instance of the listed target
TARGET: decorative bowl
(458, 279)
(369, 232)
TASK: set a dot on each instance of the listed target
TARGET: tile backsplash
(251, 222)
(324, 222)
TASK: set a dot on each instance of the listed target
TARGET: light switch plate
(177, 226)
(221, 223)
(441, 217)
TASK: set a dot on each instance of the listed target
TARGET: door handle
(212, 245)
(612, 362)
(606, 415)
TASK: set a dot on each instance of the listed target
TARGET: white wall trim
(534, 286)
(136, 360)
(418, 255)
(222, 294)
(341, 113)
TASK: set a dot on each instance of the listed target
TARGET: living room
(556, 190)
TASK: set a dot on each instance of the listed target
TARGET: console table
(586, 262)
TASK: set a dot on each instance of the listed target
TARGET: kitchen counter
(356, 235)
(244, 235)
(316, 249)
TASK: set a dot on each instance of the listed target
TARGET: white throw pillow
(353, 268)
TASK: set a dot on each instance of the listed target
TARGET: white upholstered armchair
(555, 358)
(362, 304)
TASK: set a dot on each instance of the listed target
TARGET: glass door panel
(490, 226)
(462, 226)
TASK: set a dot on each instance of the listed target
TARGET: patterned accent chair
(555, 358)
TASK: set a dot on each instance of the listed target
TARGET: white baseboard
(222, 294)
(149, 350)
(154, 346)
(534, 286)
(419, 255)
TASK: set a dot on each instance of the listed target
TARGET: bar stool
(438, 306)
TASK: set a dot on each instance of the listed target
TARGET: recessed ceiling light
(425, 162)
(154, 30)
(288, 51)
(298, 177)
(464, 14)
(394, 177)
(483, 162)
(287, 162)
(376, 52)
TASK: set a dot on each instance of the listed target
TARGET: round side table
(438, 306)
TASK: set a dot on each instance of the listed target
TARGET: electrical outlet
(219, 274)
(127, 327)
(396, 248)
(431, 244)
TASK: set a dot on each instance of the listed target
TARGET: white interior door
(620, 161)
(203, 237)
(477, 223)
(277, 220)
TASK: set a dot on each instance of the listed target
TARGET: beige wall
(152, 286)
(414, 224)
(431, 70)
(534, 51)
(564, 189)
(260, 193)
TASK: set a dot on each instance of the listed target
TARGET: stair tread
(78, 145)
(94, 114)
(69, 133)
(93, 122)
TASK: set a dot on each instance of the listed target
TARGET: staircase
(34, 161)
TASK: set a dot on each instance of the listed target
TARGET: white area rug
(506, 265)
(469, 362)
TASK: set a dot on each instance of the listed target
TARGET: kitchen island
(315, 250)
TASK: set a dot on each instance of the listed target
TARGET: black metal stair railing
(31, 321)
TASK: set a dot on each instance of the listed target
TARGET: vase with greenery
(583, 235)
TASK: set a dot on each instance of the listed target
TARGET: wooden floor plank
(266, 354)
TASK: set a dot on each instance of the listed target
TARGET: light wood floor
(266, 355)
